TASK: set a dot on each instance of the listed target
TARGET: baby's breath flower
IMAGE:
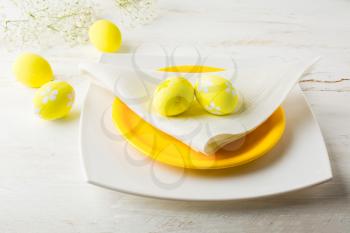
(43, 23)
(136, 12)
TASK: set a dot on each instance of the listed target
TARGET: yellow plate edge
(218, 164)
(188, 163)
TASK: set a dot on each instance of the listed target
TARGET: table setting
(235, 109)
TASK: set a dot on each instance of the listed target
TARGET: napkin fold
(264, 85)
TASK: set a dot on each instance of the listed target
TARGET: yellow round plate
(167, 149)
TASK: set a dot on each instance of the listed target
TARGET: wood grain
(42, 187)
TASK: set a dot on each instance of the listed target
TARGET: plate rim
(91, 179)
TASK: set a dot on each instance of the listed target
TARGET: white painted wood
(42, 187)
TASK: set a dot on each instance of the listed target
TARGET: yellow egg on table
(32, 70)
(105, 36)
(217, 95)
(173, 96)
(54, 100)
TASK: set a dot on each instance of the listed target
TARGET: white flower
(45, 99)
(49, 96)
(213, 107)
(45, 23)
(53, 95)
(204, 85)
(136, 12)
(207, 82)
(46, 91)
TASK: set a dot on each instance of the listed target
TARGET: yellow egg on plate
(173, 96)
(105, 36)
(217, 95)
(54, 100)
(32, 70)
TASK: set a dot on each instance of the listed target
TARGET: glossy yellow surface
(173, 96)
(32, 70)
(191, 69)
(166, 149)
(217, 95)
(105, 36)
(54, 100)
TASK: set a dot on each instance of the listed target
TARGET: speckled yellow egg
(32, 70)
(173, 96)
(54, 100)
(217, 95)
(105, 36)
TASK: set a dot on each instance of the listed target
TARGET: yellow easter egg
(105, 36)
(173, 96)
(32, 70)
(217, 95)
(54, 100)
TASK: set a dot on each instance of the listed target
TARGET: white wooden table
(42, 186)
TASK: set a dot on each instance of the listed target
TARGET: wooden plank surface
(42, 186)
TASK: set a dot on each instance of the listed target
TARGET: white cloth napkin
(263, 84)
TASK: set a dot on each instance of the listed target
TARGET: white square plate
(300, 159)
